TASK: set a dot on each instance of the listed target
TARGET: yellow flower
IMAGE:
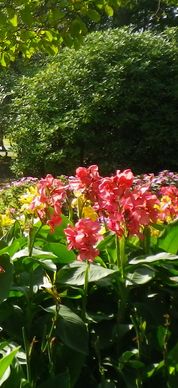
(79, 200)
(27, 198)
(29, 195)
(89, 212)
(6, 220)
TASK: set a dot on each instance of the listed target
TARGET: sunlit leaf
(5, 363)
(14, 20)
(169, 239)
(141, 275)
(74, 273)
(109, 10)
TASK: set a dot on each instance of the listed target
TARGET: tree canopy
(28, 26)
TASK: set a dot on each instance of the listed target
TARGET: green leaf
(36, 253)
(5, 363)
(106, 242)
(93, 15)
(71, 329)
(169, 239)
(141, 275)
(109, 10)
(74, 274)
(127, 355)
(77, 27)
(63, 255)
(158, 258)
(162, 335)
(155, 368)
(3, 61)
(14, 20)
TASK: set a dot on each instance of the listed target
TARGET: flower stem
(146, 240)
(120, 248)
(85, 292)
(27, 351)
(31, 239)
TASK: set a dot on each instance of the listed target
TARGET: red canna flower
(87, 181)
(83, 237)
(48, 203)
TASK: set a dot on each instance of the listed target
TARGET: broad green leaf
(158, 258)
(6, 361)
(71, 329)
(141, 275)
(47, 264)
(63, 255)
(169, 239)
(74, 273)
(17, 373)
(36, 253)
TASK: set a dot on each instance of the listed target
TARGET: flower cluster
(168, 203)
(121, 203)
(83, 237)
(47, 204)
(86, 181)
(127, 209)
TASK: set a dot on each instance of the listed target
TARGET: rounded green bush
(113, 102)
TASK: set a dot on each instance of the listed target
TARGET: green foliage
(29, 26)
(113, 102)
(127, 336)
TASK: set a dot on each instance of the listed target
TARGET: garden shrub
(112, 102)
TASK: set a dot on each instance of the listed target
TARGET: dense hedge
(113, 102)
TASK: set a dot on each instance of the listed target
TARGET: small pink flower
(83, 237)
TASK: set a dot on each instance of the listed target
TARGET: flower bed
(89, 281)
